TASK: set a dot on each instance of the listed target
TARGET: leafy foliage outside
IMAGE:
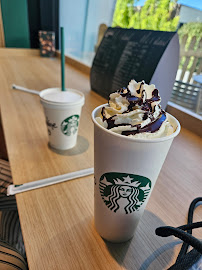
(154, 15)
(123, 13)
(193, 29)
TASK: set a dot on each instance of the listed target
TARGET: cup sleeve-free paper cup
(126, 170)
(62, 117)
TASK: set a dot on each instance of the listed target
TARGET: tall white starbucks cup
(126, 170)
(62, 111)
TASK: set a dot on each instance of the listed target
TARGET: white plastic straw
(14, 189)
(17, 87)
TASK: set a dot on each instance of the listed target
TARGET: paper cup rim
(57, 89)
(140, 140)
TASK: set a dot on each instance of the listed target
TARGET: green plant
(123, 12)
(154, 15)
(193, 29)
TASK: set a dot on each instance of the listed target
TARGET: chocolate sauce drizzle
(133, 100)
(152, 127)
(143, 105)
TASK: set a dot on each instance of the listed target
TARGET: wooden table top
(57, 221)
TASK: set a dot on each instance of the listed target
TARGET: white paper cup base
(126, 170)
(62, 118)
(63, 146)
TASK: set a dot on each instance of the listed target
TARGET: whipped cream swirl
(136, 111)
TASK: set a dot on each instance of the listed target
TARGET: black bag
(191, 260)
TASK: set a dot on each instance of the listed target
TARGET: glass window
(81, 20)
(85, 22)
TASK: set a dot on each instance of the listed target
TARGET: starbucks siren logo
(70, 125)
(124, 192)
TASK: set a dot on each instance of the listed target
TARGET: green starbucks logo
(70, 125)
(123, 192)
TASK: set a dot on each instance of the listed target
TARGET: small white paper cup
(62, 118)
(126, 170)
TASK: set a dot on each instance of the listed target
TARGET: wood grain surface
(57, 221)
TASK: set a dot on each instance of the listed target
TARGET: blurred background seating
(10, 230)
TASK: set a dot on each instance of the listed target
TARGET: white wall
(189, 14)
